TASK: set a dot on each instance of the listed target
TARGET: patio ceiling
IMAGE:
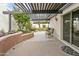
(40, 11)
(37, 17)
(40, 7)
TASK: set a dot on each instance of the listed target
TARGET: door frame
(71, 28)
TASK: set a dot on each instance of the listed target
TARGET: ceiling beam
(65, 6)
(24, 7)
(39, 6)
(20, 7)
(27, 7)
(36, 6)
(52, 6)
(45, 11)
(44, 6)
(57, 7)
(56, 4)
(48, 4)
(39, 19)
(30, 6)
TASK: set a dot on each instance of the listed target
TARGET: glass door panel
(66, 27)
(76, 28)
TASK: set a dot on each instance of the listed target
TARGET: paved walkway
(39, 45)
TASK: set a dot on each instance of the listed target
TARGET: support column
(9, 23)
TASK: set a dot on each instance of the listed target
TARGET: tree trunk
(39, 25)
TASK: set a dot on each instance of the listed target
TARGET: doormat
(69, 51)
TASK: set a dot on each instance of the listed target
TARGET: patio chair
(50, 32)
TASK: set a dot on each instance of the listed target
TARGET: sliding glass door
(66, 27)
(71, 28)
(76, 28)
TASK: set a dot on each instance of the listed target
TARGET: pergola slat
(28, 7)
(40, 19)
(23, 6)
(36, 6)
(44, 11)
(32, 6)
(42, 6)
(47, 6)
(20, 7)
(50, 6)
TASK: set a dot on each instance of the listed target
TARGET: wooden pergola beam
(7, 12)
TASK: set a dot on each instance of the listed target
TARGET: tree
(22, 20)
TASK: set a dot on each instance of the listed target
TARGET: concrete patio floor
(39, 45)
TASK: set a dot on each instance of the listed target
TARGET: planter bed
(8, 41)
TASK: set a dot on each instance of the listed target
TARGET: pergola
(40, 7)
(39, 11)
(42, 11)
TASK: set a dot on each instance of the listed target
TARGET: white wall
(4, 19)
(37, 26)
(13, 24)
(71, 8)
(58, 25)
(41, 25)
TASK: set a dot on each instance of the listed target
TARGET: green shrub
(33, 29)
(23, 21)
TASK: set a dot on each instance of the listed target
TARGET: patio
(39, 45)
(25, 15)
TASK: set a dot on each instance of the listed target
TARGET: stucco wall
(4, 19)
(37, 26)
(13, 24)
(59, 25)
(56, 25)
(71, 8)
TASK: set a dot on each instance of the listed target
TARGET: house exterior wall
(58, 25)
(13, 24)
(4, 19)
(37, 26)
(71, 8)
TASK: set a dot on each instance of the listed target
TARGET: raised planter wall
(8, 41)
